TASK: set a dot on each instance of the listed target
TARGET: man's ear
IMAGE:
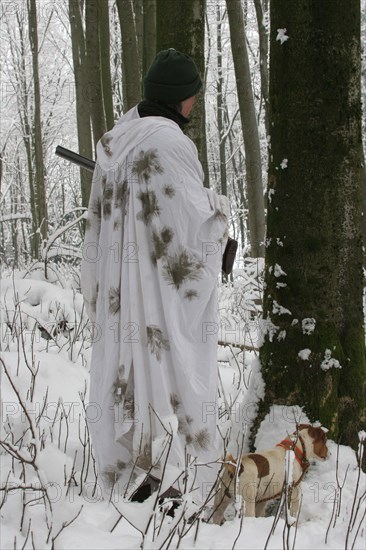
(187, 105)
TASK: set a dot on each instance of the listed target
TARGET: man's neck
(153, 108)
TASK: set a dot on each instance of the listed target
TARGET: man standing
(152, 253)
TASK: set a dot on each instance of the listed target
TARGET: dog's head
(316, 439)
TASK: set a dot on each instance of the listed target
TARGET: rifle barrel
(71, 156)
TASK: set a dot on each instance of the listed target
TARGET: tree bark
(256, 217)
(149, 34)
(239, 182)
(105, 64)
(314, 350)
(82, 105)
(138, 10)
(130, 60)
(39, 168)
(94, 87)
(181, 25)
(24, 115)
(220, 105)
(263, 59)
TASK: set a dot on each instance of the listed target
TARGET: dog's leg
(248, 493)
(295, 498)
(260, 509)
(224, 496)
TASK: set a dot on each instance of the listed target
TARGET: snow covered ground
(49, 498)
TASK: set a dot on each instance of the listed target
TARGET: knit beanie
(173, 76)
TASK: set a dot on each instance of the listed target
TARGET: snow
(271, 192)
(304, 354)
(278, 271)
(281, 36)
(43, 413)
(329, 362)
(308, 325)
(280, 310)
(284, 162)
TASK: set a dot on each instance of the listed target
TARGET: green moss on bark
(314, 251)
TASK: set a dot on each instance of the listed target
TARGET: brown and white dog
(262, 475)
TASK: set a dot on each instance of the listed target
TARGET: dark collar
(153, 108)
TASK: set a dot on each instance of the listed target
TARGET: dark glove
(229, 255)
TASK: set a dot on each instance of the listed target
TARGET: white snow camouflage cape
(152, 253)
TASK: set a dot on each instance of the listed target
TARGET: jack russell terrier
(262, 475)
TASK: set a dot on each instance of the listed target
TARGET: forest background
(71, 68)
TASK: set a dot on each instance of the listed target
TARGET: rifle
(71, 156)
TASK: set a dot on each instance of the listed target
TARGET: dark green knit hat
(173, 76)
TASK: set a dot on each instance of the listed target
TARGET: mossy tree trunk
(181, 25)
(314, 350)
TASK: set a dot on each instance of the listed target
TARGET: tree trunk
(23, 108)
(105, 64)
(40, 184)
(138, 10)
(239, 181)
(116, 63)
(256, 217)
(82, 105)
(131, 79)
(181, 25)
(220, 105)
(94, 88)
(263, 59)
(149, 34)
(14, 209)
(314, 350)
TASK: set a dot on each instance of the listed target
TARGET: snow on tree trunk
(105, 64)
(263, 57)
(220, 103)
(314, 350)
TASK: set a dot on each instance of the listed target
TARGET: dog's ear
(319, 440)
(230, 464)
(317, 434)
